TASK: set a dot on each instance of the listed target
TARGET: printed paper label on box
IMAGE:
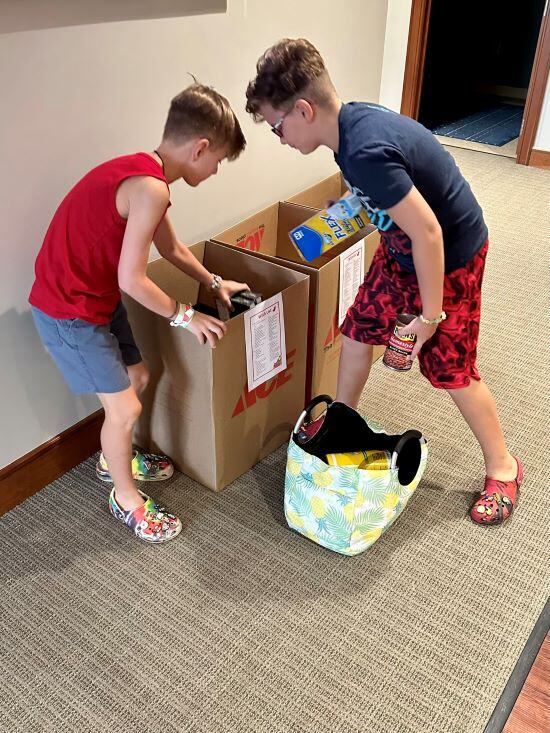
(352, 274)
(264, 329)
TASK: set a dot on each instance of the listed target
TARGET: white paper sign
(264, 330)
(352, 274)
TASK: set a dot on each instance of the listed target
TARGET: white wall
(393, 68)
(542, 138)
(395, 53)
(73, 97)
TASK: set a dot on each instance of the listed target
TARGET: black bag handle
(406, 456)
(334, 436)
(308, 409)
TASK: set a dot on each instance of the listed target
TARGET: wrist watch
(184, 316)
(433, 321)
(216, 283)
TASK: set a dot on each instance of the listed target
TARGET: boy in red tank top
(98, 245)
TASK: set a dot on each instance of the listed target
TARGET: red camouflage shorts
(448, 359)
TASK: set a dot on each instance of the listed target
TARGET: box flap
(258, 233)
(172, 280)
(290, 216)
(318, 194)
(261, 275)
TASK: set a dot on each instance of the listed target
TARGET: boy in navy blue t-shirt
(433, 247)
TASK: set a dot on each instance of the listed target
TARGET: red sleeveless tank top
(77, 266)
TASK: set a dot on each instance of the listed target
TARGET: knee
(125, 415)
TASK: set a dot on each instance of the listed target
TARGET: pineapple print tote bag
(345, 508)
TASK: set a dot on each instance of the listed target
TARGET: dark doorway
(478, 64)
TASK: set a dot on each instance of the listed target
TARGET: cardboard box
(197, 408)
(317, 196)
(266, 234)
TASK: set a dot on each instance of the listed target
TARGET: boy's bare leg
(478, 408)
(354, 369)
(122, 410)
(139, 377)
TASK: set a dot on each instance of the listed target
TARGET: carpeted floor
(241, 625)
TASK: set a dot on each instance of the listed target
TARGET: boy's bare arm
(178, 254)
(148, 200)
(415, 217)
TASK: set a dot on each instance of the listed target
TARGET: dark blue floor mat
(495, 125)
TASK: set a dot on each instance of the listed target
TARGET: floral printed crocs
(145, 467)
(497, 500)
(149, 522)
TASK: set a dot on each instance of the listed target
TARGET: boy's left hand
(229, 288)
(423, 331)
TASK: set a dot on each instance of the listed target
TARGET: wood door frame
(535, 94)
(414, 74)
(416, 57)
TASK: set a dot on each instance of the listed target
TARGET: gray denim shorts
(92, 358)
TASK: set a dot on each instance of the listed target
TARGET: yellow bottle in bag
(368, 460)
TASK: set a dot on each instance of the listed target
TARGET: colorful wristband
(183, 317)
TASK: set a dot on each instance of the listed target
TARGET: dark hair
(200, 111)
(285, 72)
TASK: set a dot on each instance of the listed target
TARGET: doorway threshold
(506, 151)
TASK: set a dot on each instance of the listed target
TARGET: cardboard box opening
(267, 233)
(223, 262)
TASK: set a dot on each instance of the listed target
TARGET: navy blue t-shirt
(382, 155)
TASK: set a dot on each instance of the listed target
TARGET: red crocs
(497, 500)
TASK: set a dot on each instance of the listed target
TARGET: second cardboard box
(266, 235)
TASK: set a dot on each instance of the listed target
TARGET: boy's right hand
(206, 328)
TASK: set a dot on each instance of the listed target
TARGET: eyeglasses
(277, 127)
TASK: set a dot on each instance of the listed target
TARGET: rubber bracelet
(184, 316)
(176, 311)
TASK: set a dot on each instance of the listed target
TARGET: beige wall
(73, 97)
(542, 139)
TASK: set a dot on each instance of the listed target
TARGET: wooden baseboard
(539, 158)
(49, 461)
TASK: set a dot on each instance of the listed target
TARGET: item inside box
(325, 257)
(208, 310)
(241, 303)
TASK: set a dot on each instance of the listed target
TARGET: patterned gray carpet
(241, 625)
